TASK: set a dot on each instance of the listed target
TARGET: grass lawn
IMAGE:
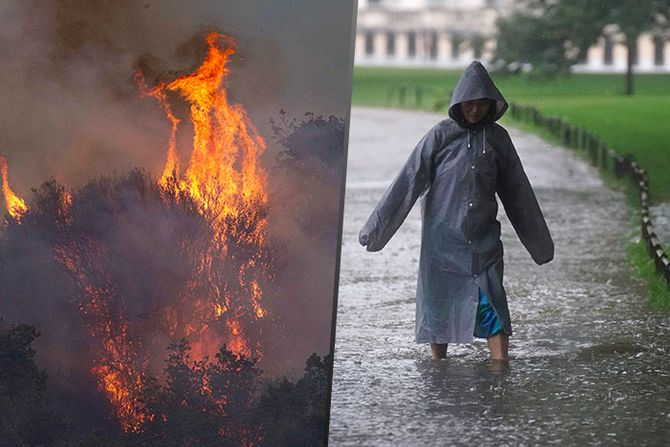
(639, 125)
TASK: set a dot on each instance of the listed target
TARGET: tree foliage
(295, 413)
(315, 144)
(550, 36)
(183, 412)
(29, 416)
(22, 387)
(312, 162)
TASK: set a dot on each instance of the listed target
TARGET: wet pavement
(590, 363)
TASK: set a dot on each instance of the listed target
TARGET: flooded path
(590, 363)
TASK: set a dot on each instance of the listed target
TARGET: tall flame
(223, 175)
(224, 178)
(15, 205)
(223, 138)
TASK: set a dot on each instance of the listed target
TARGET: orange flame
(224, 178)
(223, 137)
(15, 205)
(171, 169)
(223, 175)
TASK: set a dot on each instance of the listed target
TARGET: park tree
(553, 35)
(633, 19)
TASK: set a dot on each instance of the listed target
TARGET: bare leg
(499, 345)
(439, 350)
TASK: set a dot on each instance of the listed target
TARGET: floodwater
(590, 363)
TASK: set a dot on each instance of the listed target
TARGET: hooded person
(457, 168)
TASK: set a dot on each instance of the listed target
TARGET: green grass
(639, 125)
(659, 296)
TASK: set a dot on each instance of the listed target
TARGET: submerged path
(590, 362)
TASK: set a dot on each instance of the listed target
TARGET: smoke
(69, 101)
(306, 218)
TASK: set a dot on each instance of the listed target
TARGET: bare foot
(439, 350)
(499, 345)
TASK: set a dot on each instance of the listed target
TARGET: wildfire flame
(15, 205)
(223, 175)
(224, 179)
(223, 136)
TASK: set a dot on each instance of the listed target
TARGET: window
(390, 43)
(609, 50)
(411, 44)
(659, 47)
(456, 47)
(433, 45)
(369, 43)
(634, 52)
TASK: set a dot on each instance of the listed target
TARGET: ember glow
(223, 293)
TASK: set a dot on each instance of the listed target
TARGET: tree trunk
(630, 50)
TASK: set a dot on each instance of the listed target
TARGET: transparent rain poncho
(457, 169)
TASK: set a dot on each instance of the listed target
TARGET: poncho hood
(476, 83)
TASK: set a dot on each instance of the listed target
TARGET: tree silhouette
(295, 413)
(200, 402)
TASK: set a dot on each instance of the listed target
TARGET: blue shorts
(486, 323)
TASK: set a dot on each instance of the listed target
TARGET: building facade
(451, 33)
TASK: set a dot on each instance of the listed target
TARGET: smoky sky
(70, 109)
(68, 101)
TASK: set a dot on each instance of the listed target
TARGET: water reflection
(464, 388)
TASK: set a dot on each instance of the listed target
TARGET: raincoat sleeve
(521, 206)
(398, 200)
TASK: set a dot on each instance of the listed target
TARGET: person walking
(457, 168)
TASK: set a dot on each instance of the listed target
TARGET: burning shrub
(120, 268)
(229, 410)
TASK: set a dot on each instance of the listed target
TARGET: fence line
(604, 157)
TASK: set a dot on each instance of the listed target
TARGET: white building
(451, 33)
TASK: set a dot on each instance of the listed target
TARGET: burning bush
(115, 271)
